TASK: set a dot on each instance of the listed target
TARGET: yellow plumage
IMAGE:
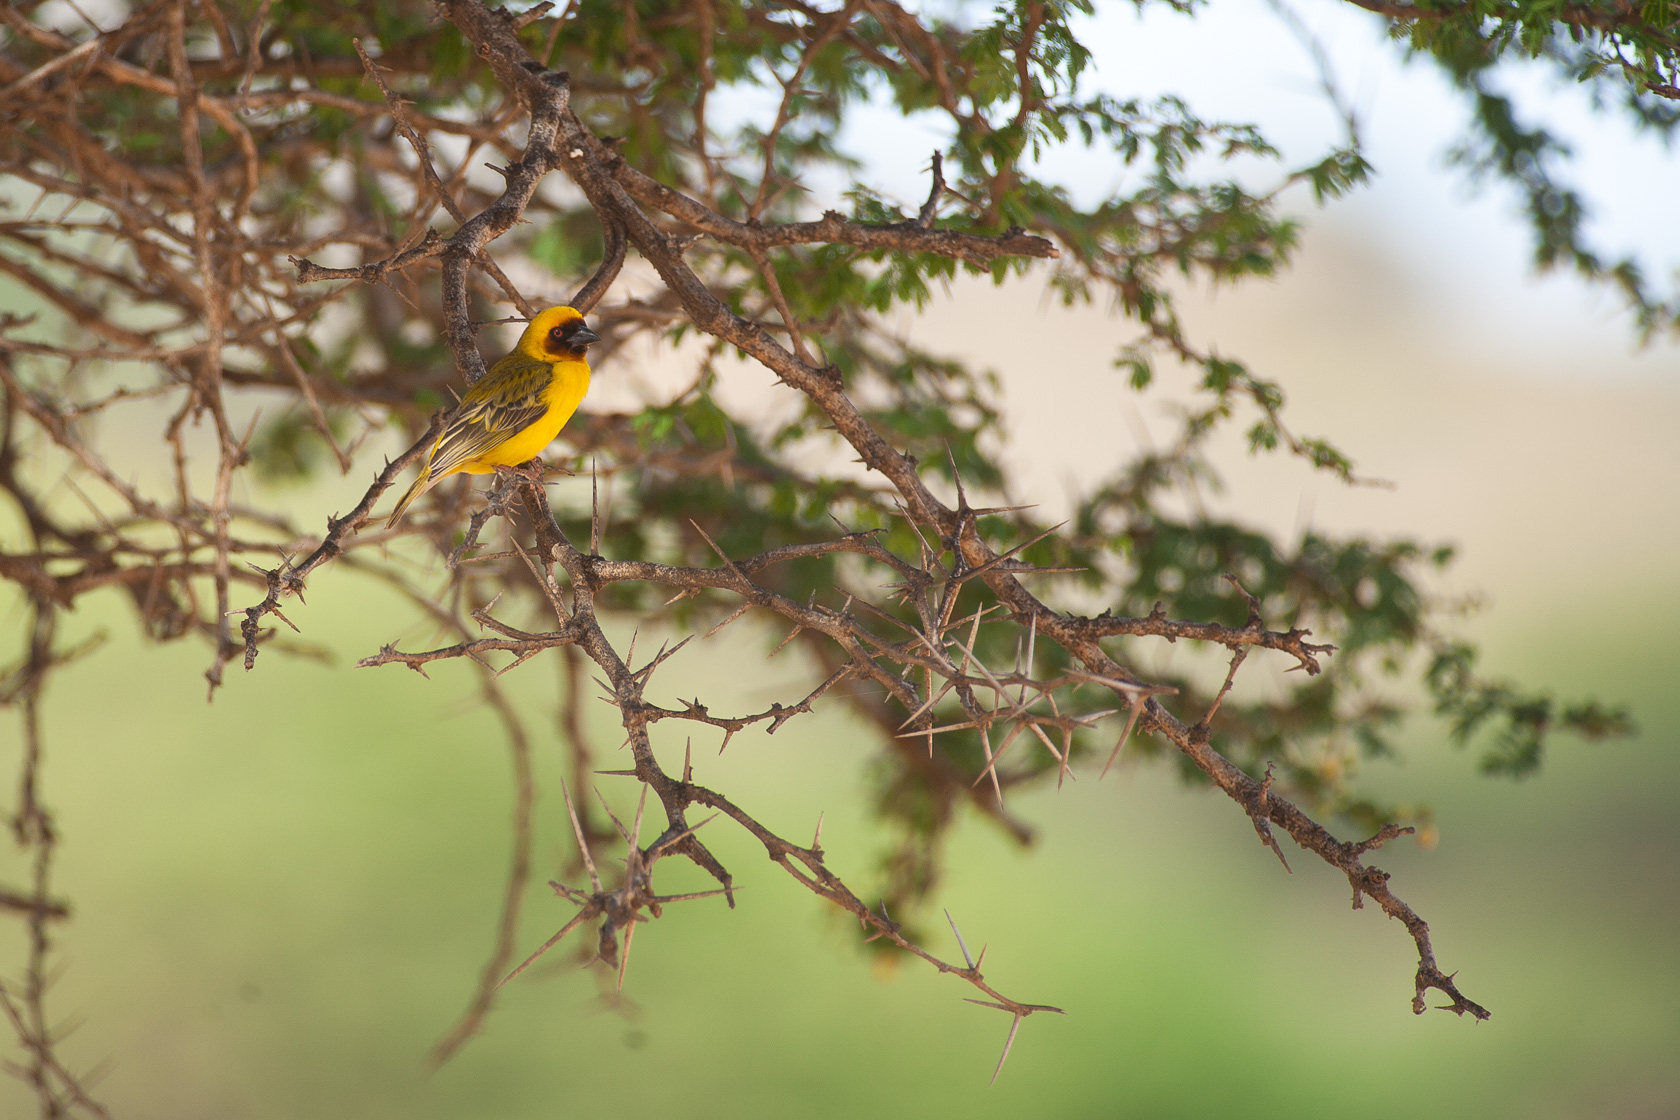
(517, 407)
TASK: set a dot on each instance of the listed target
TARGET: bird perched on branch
(516, 408)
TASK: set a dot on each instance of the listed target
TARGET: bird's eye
(557, 334)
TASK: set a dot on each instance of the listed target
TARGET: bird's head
(557, 334)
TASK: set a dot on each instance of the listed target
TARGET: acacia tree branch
(593, 168)
(288, 579)
(1157, 625)
(833, 228)
(805, 864)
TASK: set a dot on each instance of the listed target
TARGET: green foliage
(1518, 719)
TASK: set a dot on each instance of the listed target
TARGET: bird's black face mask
(571, 338)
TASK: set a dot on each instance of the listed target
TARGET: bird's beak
(582, 337)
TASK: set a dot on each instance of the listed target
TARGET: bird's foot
(531, 471)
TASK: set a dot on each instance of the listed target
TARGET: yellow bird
(516, 408)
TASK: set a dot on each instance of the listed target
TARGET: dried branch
(288, 579)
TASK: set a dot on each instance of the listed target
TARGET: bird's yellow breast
(565, 392)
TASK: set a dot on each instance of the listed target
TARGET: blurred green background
(283, 900)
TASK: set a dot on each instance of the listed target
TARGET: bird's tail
(420, 486)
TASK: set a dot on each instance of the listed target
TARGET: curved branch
(612, 260)
(288, 579)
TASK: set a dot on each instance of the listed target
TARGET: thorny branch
(615, 191)
(226, 269)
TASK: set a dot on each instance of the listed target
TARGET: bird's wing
(510, 398)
